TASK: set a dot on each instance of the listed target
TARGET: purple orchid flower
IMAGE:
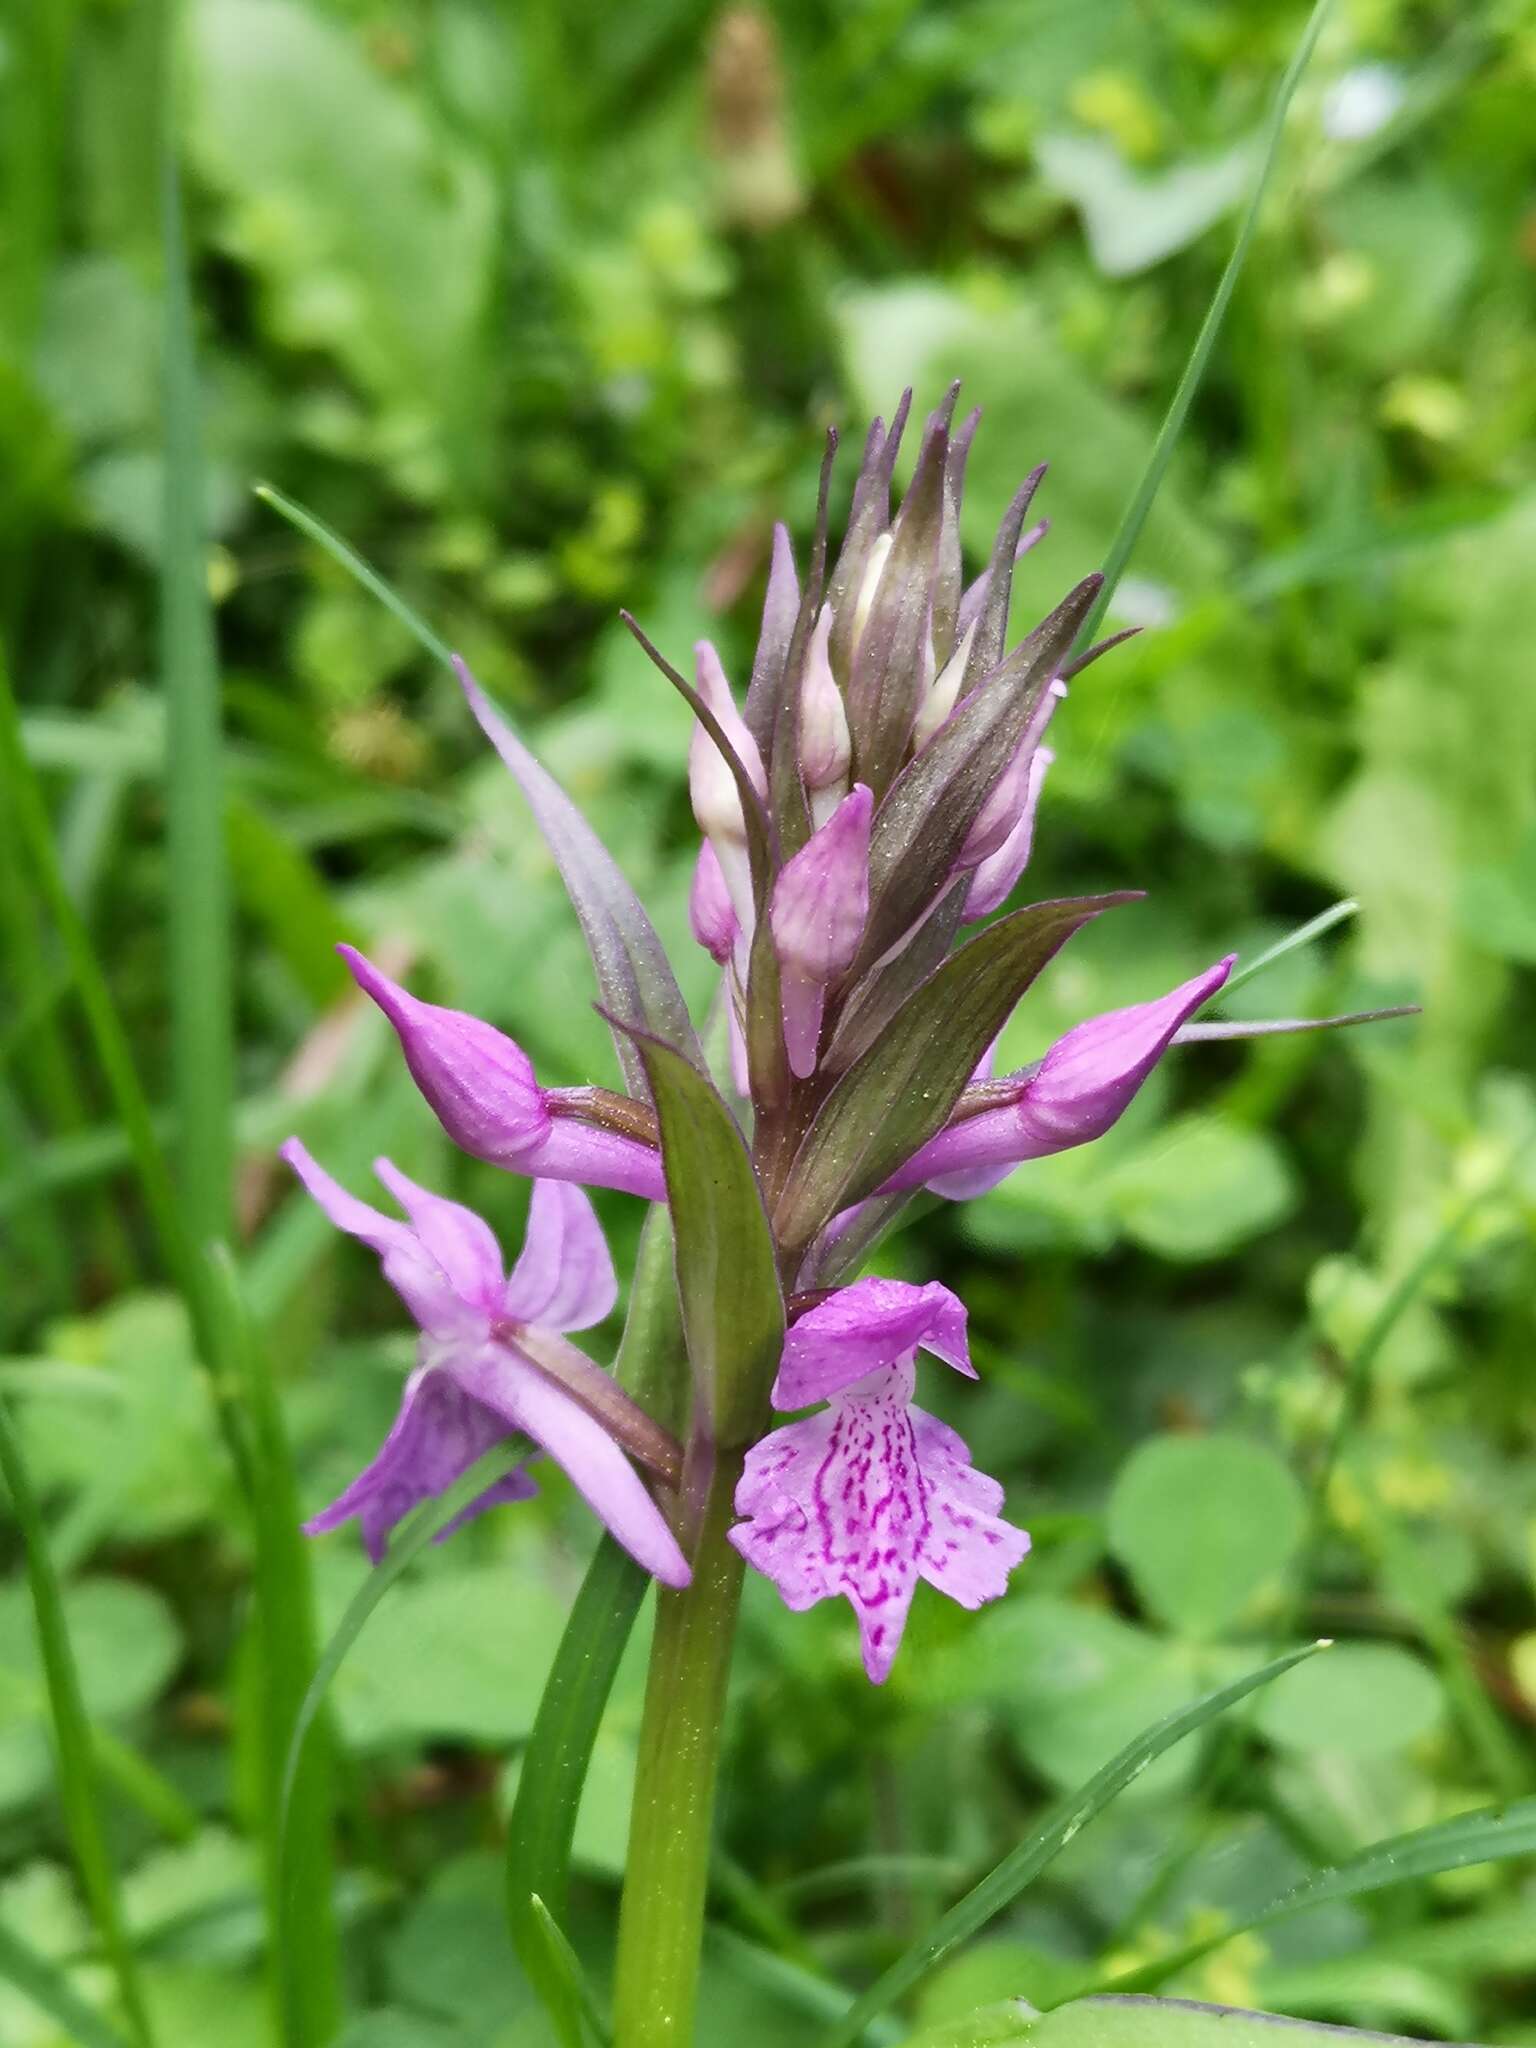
(1084, 1084)
(871, 1494)
(481, 1086)
(476, 1382)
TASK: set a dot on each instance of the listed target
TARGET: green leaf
(78, 1783)
(1199, 1186)
(1176, 2023)
(1493, 1835)
(1365, 1700)
(1024, 1864)
(727, 1276)
(1203, 1524)
(899, 1092)
(50, 1990)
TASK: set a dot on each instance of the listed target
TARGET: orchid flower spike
(480, 1085)
(475, 1381)
(870, 1494)
(1084, 1084)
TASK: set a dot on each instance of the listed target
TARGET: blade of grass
(1492, 1835)
(350, 560)
(51, 1992)
(409, 1541)
(542, 1824)
(79, 1789)
(1019, 1868)
(1189, 382)
(563, 1961)
(303, 1955)
(202, 1049)
(1303, 935)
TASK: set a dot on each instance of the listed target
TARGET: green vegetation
(545, 310)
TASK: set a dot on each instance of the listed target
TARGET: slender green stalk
(199, 927)
(79, 1786)
(661, 1920)
(1168, 433)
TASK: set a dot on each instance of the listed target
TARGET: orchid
(871, 1494)
(493, 1360)
(873, 793)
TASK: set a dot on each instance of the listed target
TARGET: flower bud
(866, 598)
(943, 692)
(709, 907)
(995, 876)
(825, 748)
(820, 904)
(1084, 1084)
(712, 787)
(481, 1087)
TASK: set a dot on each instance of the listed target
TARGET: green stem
(661, 1923)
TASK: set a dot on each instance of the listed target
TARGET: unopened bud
(712, 786)
(943, 692)
(710, 913)
(866, 598)
(825, 748)
(819, 909)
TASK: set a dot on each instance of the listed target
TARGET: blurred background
(546, 310)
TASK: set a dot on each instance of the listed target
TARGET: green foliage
(545, 311)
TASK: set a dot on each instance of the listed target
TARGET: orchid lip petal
(862, 1500)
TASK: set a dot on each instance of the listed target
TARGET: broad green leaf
(1203, 1524)
(1365, 1699)
(1024, 1864)
(727, 1277)
(899, 1092)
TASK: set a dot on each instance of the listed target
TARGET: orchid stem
(661, 1921)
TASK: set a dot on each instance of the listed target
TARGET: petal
(438, 1434)
(968, 1551)
(409, 1266)
(866, 1326)
(460, 1241)
(598, 1469)
(479, 1083)
(599, 1159)
(836, 1505)
(821, 898)
(564, 1278)
(710, 915)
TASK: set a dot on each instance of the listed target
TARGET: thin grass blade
(563, 1961)
(1022, 1865)
(51, 1992)
(79, 1788)
(1189, 382)
(1304, 934)
(350, 560)
(1494, 1835)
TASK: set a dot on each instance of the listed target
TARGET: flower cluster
(872, 795)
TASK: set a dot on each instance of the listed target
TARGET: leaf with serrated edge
(899, 1093)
